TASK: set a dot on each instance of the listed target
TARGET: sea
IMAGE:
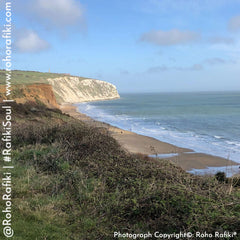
(206, 122)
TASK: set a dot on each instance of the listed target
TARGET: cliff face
(31, 93)
(74, 89)
(53, 89)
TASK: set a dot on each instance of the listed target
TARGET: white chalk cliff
(75, 89)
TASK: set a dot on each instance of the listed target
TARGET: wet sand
(136, 143)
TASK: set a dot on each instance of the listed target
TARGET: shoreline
(132, 142)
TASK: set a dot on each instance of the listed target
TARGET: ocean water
(207, 122)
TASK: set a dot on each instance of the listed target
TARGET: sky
(138, 45)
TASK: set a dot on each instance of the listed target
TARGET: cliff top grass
(72, 181)
(30, 77)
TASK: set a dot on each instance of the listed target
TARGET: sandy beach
(186, 158)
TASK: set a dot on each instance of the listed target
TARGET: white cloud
(234, 23)
(54, 13)
(124, 72)
(221, 40)
(216, 61)
(29, 41)
(185, 6)
(194, 67)
(163, 68)
(172, 37)
(157, 69)
(59, 12)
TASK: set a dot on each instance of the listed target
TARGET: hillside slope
(74, 182)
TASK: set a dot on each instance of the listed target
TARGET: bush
(221, 176)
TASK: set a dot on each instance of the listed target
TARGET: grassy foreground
(74, 182)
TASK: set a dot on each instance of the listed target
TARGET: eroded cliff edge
(52, 88)
(39, 93)
(75, 89)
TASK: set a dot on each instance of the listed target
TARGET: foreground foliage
(72, 181)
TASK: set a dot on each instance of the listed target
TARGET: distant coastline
(139, 136)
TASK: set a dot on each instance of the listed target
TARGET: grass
(73, 182)
(29, 77)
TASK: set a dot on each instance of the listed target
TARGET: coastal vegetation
(73, 181)
(29, 77)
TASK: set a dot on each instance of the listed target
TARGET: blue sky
(138, 45)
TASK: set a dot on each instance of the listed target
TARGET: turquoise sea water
(207, 122)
